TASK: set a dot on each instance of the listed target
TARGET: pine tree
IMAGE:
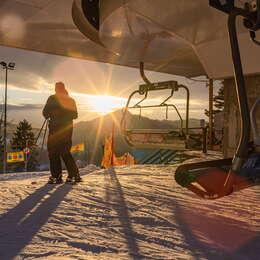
(218, 101)
(24, 137)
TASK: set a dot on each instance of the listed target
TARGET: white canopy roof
(46, 26)
(181, 37)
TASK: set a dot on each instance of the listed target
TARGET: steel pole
(25, 162)
(5, 123)
(26, 156)
(211, 113)
(187, 109)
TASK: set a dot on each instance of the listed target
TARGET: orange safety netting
(110, 159)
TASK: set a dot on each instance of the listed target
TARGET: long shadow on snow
(19, 225)
(96, 249)
(215, 238)
(116, 193)
(251, 249)
(194, 245)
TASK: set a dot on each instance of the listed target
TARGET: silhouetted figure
(61, 109)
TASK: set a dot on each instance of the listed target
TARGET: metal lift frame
(144, 89)
(252, 23)
(185, 173)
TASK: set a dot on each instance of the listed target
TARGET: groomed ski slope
(134, 212)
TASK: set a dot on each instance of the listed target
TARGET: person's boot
(69, 180)
(78, 178)
(52, 180)
(59, 180)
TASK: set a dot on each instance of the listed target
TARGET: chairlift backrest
(144, 89)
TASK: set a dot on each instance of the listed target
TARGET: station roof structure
(187, 38)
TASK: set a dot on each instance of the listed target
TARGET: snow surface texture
(134, 212)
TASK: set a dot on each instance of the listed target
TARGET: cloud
(35, 74)
(33, 70)
(21, 107)
(38, 71)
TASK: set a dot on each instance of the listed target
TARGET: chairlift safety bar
(167, 106)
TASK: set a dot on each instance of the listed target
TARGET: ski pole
(44, 135)
(38, 136)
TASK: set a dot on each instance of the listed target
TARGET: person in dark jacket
(60, 110)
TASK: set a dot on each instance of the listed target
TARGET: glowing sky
(96, 87)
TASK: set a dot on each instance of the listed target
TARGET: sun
(103, 104)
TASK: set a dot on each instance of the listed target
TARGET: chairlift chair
(156, 138)
(178, 139)
(215, 179)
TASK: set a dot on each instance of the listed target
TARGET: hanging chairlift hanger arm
(135, 92)
(146, 80)
(149, 86)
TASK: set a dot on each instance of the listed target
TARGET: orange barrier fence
(110, 159)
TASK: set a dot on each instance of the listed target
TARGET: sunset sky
(97, 87)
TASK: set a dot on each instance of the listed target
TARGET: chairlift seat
(155, 131)
(156, 139)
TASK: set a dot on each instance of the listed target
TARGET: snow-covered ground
(135, 212)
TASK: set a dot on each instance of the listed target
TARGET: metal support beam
(6, 67)
(145, 79)
(5, 123)
(187, 109)
(210, 113)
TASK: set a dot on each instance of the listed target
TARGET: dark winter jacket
(60, 109)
